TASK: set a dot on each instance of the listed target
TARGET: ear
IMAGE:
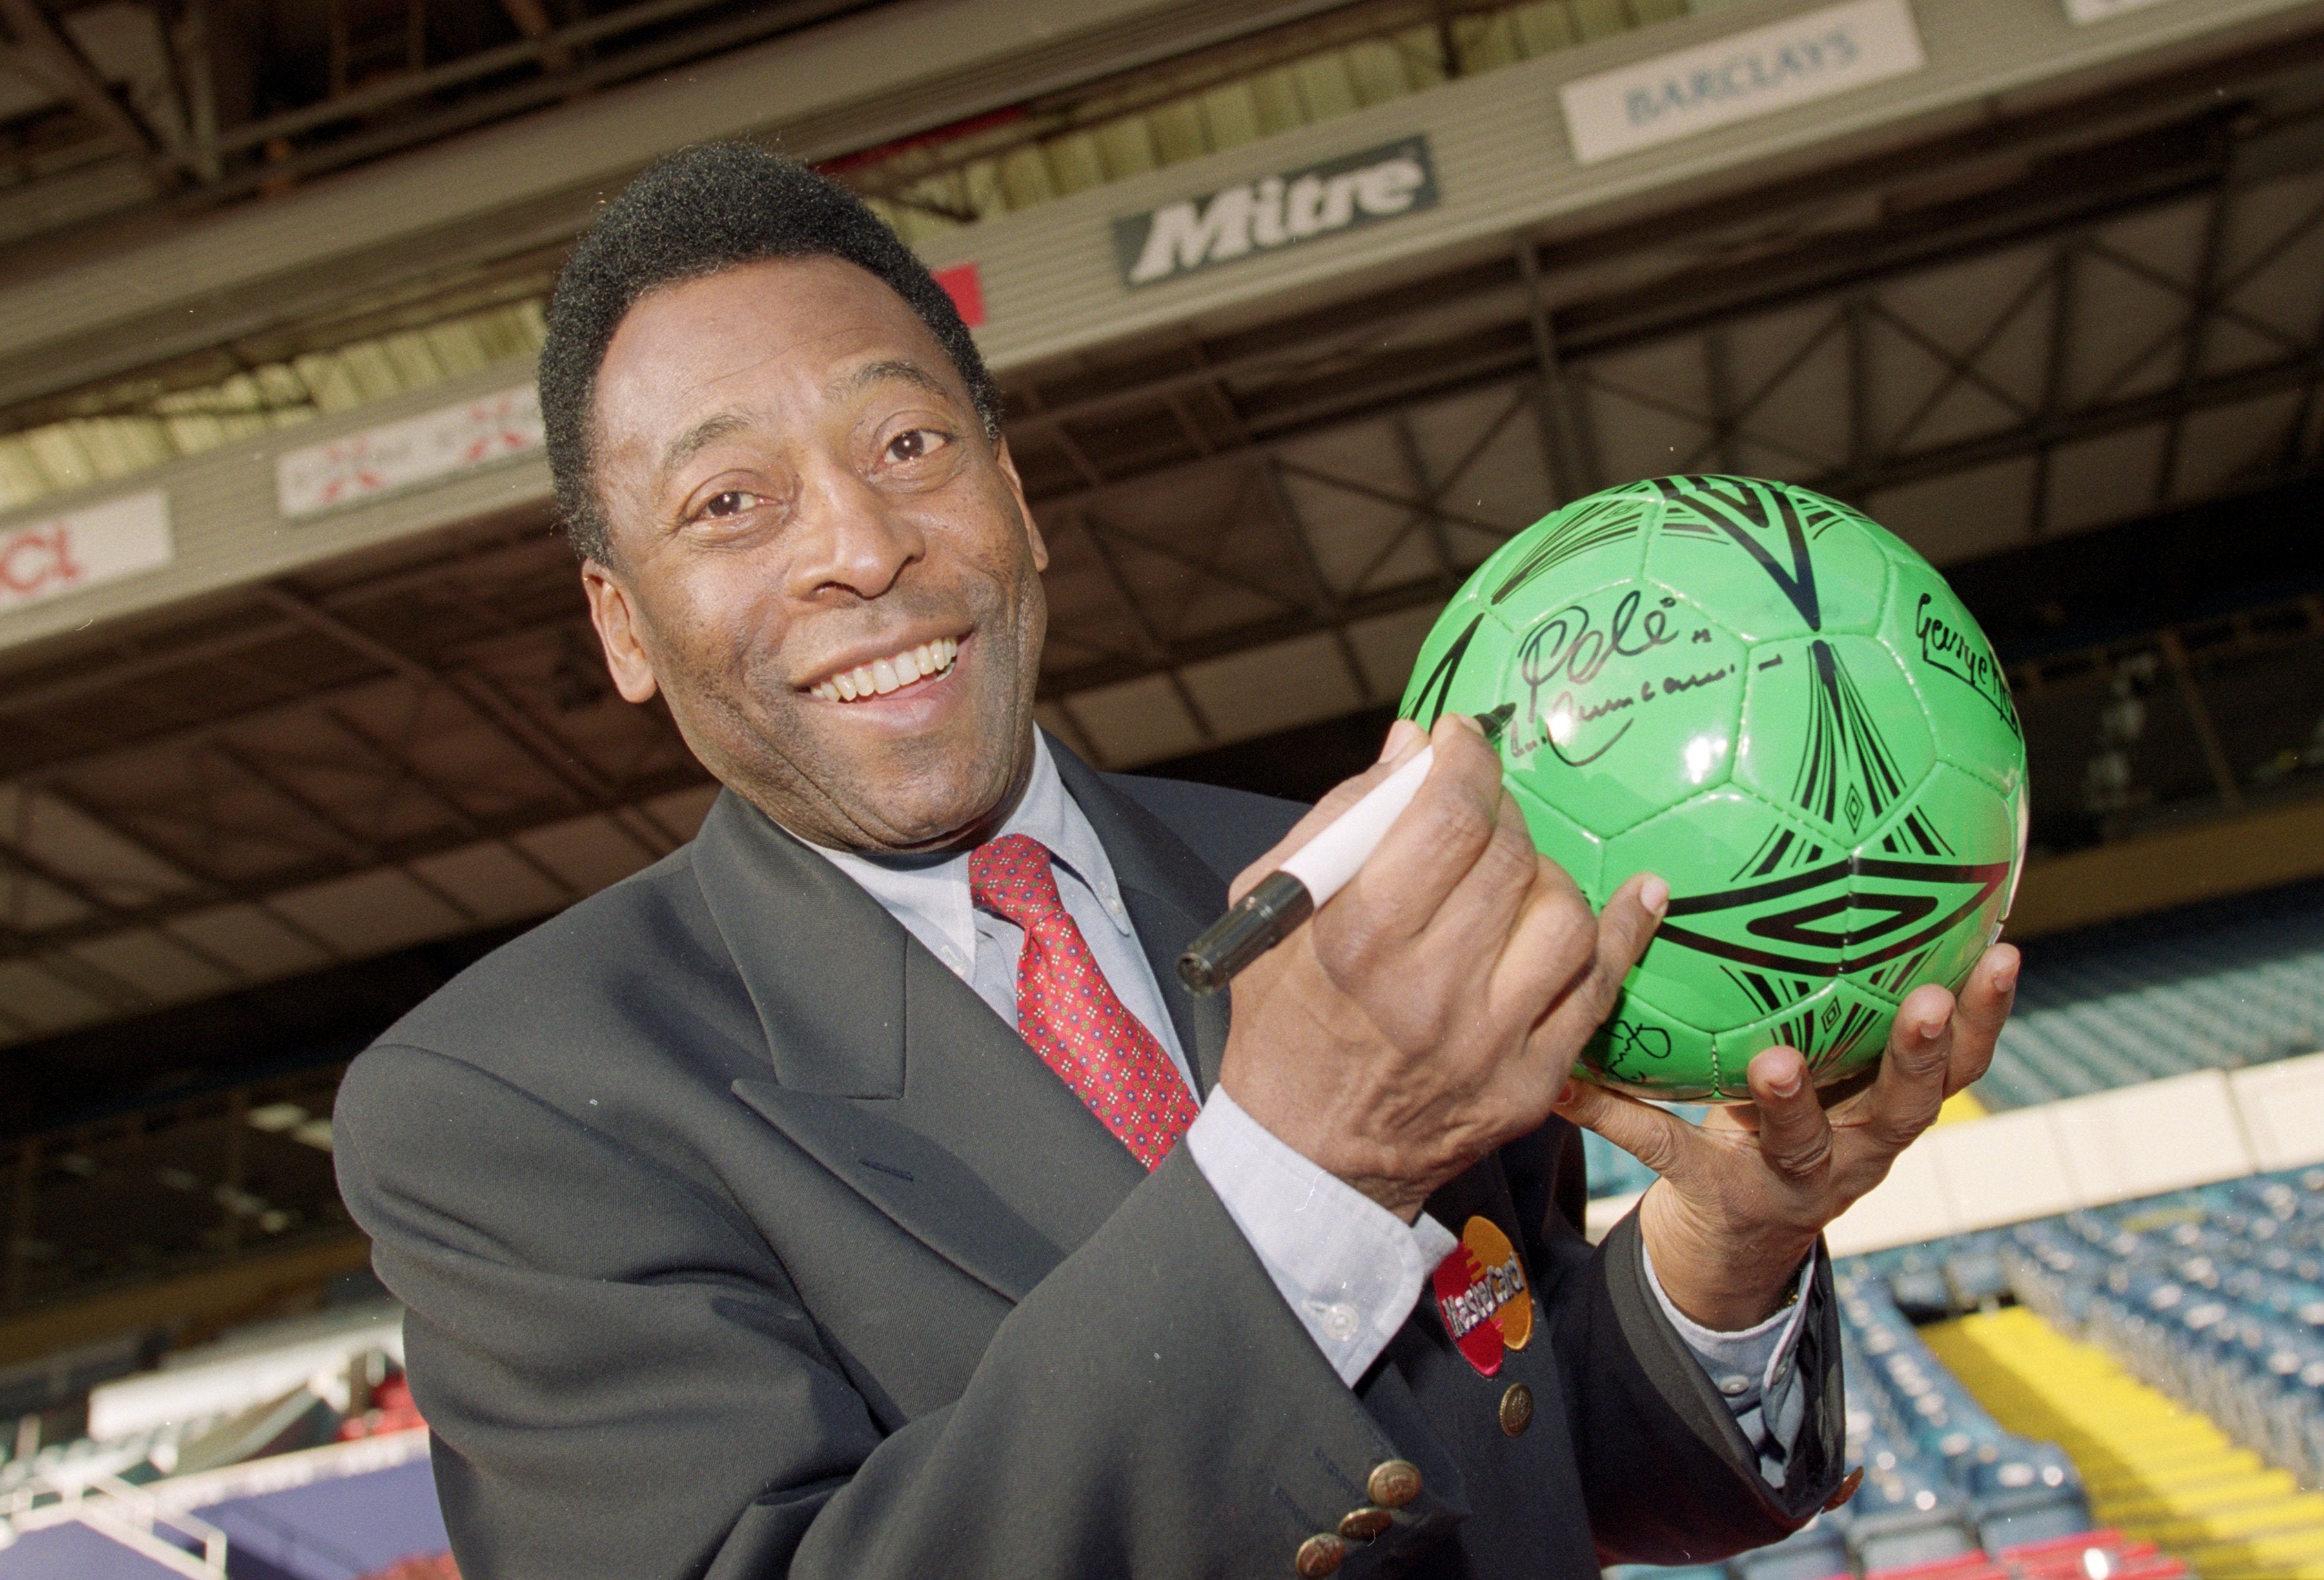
(618, 623)
(1024, 511)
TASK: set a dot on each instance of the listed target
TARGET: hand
(1743, 1196)
(1432, 1010)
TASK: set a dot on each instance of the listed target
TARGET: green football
(1778, 706)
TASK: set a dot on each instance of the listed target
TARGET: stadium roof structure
(2046, 277)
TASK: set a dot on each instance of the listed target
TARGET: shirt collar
(936, 895)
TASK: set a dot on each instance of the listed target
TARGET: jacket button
(1363, 1524)
(1393, 1484)
(1319, 1555)
(1847, 1488)
(1516, 1408)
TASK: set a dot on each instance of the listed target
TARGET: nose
(855, 543)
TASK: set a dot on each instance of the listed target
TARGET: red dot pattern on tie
(1067, 1011)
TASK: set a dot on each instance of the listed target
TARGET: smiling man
(856, 1192)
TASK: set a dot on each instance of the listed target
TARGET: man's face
(798, 491)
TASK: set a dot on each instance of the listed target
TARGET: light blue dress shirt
(1349, 1269)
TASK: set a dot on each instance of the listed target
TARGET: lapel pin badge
(1483, 1295)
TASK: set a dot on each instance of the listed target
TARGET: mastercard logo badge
(1483, 1295)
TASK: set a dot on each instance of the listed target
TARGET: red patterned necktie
(1068, 1013)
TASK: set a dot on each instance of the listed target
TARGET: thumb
(1655, 1137)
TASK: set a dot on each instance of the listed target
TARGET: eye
(916, 444)
(733, 501)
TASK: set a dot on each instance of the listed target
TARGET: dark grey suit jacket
(740, 1238)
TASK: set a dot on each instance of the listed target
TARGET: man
(856, 1193)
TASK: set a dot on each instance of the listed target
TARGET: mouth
(885, 677)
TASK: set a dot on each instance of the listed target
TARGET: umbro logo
(1831, 920)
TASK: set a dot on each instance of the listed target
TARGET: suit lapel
(823, 962)
(1172, 894)
(892, 1073)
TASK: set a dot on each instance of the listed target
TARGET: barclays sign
(1758, 72)
(1275, 211)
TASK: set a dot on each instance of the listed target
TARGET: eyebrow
(711, 429)
(899, 369)
(707, 432)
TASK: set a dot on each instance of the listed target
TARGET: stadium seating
(2214, 1296)
(291, 1448)
(1949, 1494)
(2173, 1345)
(2159, 1471)
(2121, 1006)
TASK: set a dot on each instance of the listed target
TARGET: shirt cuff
(1350, 1270)
(1752, 1368)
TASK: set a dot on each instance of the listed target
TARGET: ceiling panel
(1262, 690)
(2110, 478)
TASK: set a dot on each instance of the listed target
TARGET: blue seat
(2215, 1295)
(2122, 1004)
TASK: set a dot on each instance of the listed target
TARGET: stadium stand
(2201, 991)
(2173, 1347)
(2153, 1407)
(2156, 1469)
(1949, 1492)
(2216, 1296)
(291, 1446)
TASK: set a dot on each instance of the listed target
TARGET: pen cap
(1251, 927)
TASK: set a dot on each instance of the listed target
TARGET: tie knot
(1010, 875)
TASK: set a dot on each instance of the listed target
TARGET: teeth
(882, 676)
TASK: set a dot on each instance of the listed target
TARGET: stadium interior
(300, 711)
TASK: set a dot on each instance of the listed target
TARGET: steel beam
(48, 49)
(2202, 313)
(502, 830)
(1159, 651)
(2199, 715)
(577, 779)
(1415, 465)
(1284, 512)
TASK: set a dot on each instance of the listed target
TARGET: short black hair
(707, 208)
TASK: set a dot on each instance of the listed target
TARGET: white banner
(418, 449)
(2089, 10)
(1793, 62)
(64, 553)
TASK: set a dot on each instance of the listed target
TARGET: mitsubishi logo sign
(1275, 211)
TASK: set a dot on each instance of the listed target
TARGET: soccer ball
(1779, 708)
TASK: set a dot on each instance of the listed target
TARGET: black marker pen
(1318, 870)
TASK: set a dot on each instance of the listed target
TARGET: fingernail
(1784, 1085)
(1387, 744)
(2004, 978)
(1931, 1030)
(1467, 723)
(1654, 895)
(1567, 1093)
